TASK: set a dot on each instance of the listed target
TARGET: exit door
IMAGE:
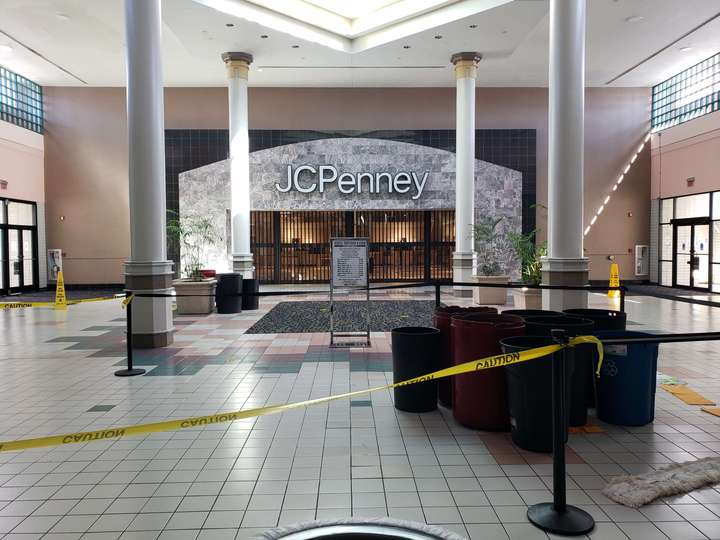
(692, 254)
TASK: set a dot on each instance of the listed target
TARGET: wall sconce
(3, 185)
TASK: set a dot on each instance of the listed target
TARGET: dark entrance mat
(304, 317)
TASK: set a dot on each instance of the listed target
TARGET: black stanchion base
(572, 522)
(129, 372)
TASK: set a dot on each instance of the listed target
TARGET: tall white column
(148, 269)
(238, 65)
(464, 257)
(566, 263)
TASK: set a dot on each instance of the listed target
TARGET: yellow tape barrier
(197, 421)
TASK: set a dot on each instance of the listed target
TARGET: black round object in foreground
(416, 352)
(572, 522)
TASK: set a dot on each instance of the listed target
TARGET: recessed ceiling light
(634, 19)
(406, 46)
(264, 36)
(62, 16)
(259, 69)
(438, 36)
(504, 32)
(229, 25)
(296, 46)
(473, 26)
(5, 49)
(685, 49)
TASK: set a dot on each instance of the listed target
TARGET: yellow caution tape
(490, 362)
(18, 305)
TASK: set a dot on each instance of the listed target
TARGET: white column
(464, 257)
(148, 269)
(566, 263)
(238, 64)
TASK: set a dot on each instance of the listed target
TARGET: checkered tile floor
(356, 457)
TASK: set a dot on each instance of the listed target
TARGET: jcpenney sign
(308, 179)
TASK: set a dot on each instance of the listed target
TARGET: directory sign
(349, 262)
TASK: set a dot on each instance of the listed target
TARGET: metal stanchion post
(622, 299)
(130, 371)
(557, 517)
(437, 294)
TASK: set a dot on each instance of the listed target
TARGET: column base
(152, 317)
(571, 272)
(464, 264)
(244, 263)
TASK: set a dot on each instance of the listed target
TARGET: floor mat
(303, 317)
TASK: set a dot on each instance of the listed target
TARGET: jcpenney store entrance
(293, 247)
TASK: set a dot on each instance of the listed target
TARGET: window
(692, 206)
(20, 213)
(666, 241)
(21, 101)
(689, 94)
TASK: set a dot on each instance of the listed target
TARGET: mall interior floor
(356, 457)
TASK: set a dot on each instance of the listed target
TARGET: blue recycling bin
(628, 378)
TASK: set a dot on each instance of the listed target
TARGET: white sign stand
(349, 273)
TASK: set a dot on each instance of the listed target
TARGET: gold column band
(237, 69)
(466, 69)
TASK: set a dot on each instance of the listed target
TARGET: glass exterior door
(18, 246)
(692, 256)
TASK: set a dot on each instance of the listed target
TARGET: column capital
(466, 64)
(237, 64)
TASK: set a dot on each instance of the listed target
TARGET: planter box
(490, 296)
(195, 305)
(527, 298)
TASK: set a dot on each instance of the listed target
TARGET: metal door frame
(692, 223)
(5, 229)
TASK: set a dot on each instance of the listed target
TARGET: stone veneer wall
(498, 190)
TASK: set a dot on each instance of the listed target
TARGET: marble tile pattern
(498, 190)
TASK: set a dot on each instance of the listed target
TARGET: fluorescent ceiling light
(6, 49)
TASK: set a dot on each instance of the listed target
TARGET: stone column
(237, 65)
(566, 263)
(464, 257)
(148, 269)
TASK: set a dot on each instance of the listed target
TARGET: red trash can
(480, 399)
(441, 321)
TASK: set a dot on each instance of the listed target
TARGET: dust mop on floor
(636, 491)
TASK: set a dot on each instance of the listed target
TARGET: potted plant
(529, 252)
(195, 235)
(488, 268)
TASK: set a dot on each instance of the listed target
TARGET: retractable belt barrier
(481, 364)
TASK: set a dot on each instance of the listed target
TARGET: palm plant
(195, 234)
(486, 235)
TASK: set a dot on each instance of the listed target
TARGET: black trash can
(227, 293)
(582, 381)
(628, 380)
(415, 351)
(530, 394)
(250, 288)
(604, 319)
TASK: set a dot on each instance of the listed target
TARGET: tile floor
(358, 457)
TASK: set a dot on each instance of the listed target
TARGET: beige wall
(688, 150)
(86, 152)
(22, 163)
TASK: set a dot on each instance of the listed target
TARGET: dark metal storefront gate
(412, 245)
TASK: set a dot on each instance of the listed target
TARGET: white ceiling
(77, 42)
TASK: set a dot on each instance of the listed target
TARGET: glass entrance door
(21, 259)
(692, 256)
